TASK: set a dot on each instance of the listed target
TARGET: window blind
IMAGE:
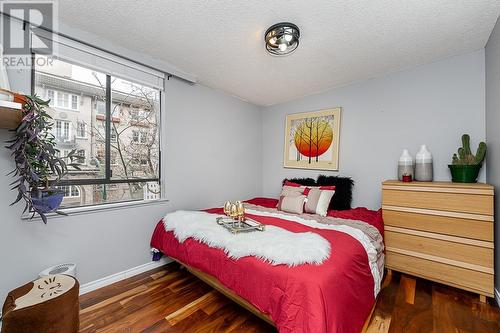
(107, 63)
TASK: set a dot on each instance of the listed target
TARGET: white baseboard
(497, 297)
(107, 280)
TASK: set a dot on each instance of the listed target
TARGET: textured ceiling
(343, 41)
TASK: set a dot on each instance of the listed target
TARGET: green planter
(464, 173)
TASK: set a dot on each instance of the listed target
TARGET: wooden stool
(49, 304)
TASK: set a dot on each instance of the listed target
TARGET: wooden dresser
(441, 231)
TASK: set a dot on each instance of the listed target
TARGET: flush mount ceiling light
(282, 38)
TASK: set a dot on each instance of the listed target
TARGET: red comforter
(336, 296)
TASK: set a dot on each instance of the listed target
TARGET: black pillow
(343, 191)
(301, 181)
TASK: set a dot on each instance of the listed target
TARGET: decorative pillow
(301, 181)
(343, 191)
(318, 199)
(291, 189)
(292, 204)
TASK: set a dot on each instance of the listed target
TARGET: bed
(336, 296)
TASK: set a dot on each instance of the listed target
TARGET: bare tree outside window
(81, 118)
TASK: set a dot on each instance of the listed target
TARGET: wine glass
(233, 211)
(227, 208)
(241, 210)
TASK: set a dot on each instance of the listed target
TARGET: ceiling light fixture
(282, 38)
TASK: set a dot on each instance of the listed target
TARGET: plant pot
(48, 202)
(20, 98)
(464, 173)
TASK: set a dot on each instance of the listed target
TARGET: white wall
(433, 104)
(493, 129)
(212, 152)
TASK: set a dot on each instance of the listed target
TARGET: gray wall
(432, 104)
(493, 129)
(212, 152)
(217, 147)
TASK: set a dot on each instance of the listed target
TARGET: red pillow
(288, 183)
(325, 188)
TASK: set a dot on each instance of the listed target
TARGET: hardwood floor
(170, 299)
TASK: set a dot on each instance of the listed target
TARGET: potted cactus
(465, 166)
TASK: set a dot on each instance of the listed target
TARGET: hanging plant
(38, 168)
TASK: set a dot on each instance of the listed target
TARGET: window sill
(99, 208)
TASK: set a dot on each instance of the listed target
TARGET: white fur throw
(274, 245)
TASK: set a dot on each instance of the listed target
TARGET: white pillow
(318, 200)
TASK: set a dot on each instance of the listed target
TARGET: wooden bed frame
(214, 283)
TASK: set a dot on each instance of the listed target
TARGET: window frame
(84, 128)
(70, 191)
(80, 158)
(63, 129)
(107, 179)
(54, 101)
(97, 108)
(135, 136)
(77, 102)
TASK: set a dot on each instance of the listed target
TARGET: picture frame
(312, 140)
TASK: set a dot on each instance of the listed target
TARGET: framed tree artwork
(312, 140)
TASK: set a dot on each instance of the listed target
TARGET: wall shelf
(10, 114)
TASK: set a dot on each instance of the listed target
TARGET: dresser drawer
(447, 225)
(455, 202)
(471, 280)
(449, 252)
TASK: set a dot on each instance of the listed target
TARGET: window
(113, 160)
(61, 99)
(101, 108)
(101, 156)
(50, 96)
(139, 136)
(81, 129)
(139, 114)
(62, 153)
(70, 191)
(74, 102)
(113, 134)
(152, 191)
(143, 137)
(62, 130)
(80, 156)
(111, 168)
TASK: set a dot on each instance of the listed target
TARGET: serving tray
(236, 226)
